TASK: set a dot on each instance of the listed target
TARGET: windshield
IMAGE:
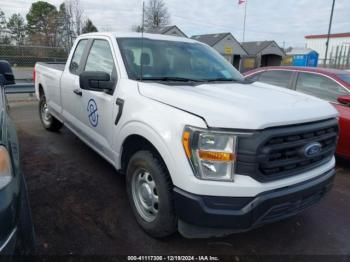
(174, 61)
(345, 77)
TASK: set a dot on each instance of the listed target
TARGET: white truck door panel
(70, 85)
(95, 109)
(96, 120)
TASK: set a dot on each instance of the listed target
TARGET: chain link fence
(27, 56)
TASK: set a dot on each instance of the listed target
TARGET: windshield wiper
(171, 78)
(221, 80)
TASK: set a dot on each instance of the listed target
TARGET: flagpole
(245, 17)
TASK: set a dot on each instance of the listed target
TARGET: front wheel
(48, 121)
(149, 190)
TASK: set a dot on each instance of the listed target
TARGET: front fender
(164, 131)
(150, 134)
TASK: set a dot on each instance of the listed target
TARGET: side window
(276, 77)
(319, 86)
(100, 57)
(76, 59)
(253, 78)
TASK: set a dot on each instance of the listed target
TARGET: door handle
(78, 92)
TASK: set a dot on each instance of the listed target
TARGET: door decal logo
(93, 114)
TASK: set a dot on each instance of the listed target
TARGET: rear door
(70, 84)
(95, 109)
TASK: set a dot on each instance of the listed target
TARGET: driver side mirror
(344, 100)
(96, 81)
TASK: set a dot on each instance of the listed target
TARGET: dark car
(16, 228)
(331, 85)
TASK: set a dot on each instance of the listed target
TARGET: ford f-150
(204, 152)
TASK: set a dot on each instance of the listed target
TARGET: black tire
(165, 222)
(48, 121)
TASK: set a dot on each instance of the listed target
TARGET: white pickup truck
(203, 151)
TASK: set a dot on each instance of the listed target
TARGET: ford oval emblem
(312, 149)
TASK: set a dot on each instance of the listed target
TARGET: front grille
(286, 153)
(280, 152)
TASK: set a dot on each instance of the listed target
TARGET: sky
(285, 21)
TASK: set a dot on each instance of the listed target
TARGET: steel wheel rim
(145, 195)
(45, 115)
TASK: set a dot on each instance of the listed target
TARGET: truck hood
(241, 106)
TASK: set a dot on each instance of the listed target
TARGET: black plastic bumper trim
(245, 213)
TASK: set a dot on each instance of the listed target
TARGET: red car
(329, 84)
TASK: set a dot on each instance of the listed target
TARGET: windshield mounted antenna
(142, 30)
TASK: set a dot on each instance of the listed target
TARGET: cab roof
(139, 35)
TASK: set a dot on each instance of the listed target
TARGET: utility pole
(245, 17)
(329, 32)
(143, 17)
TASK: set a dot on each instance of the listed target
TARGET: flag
(241, 2)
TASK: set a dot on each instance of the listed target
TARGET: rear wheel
(150, 194)
(48, 121)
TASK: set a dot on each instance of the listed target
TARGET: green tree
(2, 20)
(89, 27)
(4, 37)
(136, 28)
(43, 22)
(17, 27)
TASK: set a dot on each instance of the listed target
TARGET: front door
(96, 109)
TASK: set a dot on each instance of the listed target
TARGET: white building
(338, 44)
(226, 45)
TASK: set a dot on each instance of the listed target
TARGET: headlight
(5, 167)
(212, 154)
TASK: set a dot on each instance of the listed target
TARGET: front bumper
(9, 214)
(207, 216)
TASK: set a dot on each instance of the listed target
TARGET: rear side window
(319, 86)
(100, 58)
(75, 63)
(277, 78)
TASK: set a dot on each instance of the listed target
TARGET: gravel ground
(80, 207)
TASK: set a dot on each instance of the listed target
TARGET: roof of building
(325, 35)
(165, 29)
(211, 39)
(254, 48)
(300, 51)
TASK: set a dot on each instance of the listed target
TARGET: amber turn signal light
(216, 156)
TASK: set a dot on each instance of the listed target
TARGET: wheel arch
(136, 138)
(41, 90)
(134, 143)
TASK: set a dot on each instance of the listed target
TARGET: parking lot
(79, 206)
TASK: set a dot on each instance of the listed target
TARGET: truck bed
(57, 66)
